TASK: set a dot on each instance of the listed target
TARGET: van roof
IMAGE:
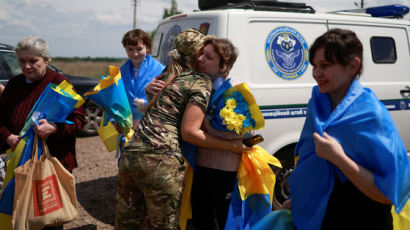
(269, 5)
(345, 16)
(387, 11)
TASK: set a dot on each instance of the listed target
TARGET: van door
(274, 62)
(386, 67)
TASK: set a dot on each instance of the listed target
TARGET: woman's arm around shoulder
(192, 133)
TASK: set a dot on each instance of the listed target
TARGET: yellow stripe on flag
(185, 212)
(254, 173)
(68, 88)
(5, 222)
(401, 221)
(108, 81)
(14, 160)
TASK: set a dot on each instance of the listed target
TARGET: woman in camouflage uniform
(151, 170)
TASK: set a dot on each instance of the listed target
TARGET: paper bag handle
(34, 154)
(46, 151)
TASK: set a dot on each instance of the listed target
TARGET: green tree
(168, 13)
(172, 11)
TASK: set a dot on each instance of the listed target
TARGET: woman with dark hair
(352, 164)
(139, 69)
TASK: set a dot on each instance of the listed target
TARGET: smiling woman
(139, 69)
(350, 152)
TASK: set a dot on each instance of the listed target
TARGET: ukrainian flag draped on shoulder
(110, 95)
(368, 135)
(135, 85)
(54, 104)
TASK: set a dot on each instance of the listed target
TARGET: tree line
(88, 59)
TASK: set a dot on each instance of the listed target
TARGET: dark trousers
(348, 208)
(210, 197)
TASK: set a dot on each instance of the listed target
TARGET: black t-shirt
(348, 208)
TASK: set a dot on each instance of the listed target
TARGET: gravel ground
(96, 184)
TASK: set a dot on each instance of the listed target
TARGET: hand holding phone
(253, 140)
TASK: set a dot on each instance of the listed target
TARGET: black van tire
(281, 191)
(93, 116)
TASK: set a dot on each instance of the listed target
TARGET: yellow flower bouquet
(240, 112)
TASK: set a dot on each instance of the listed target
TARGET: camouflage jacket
(159, 130)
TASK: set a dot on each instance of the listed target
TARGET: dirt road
(95, 184)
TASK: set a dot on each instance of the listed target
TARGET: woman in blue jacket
(139, 69)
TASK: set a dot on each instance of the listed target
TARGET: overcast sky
(95, 27)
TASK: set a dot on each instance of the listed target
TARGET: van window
(156, 44)
(383, 49)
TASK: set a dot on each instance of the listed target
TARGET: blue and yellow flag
(253, 192)
(189, 151)
(110, 95)
(368, 135)
(241, 114)
(54, 104)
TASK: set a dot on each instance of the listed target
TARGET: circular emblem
(169, 43)
(287, 52)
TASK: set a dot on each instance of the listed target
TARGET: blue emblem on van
(169, 43)
(287, 52)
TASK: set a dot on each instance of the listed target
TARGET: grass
(93, 69)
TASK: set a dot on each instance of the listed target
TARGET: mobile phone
(253, 140)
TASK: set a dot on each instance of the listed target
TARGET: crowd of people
(335, 175)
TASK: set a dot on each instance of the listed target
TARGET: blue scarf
(135, 87)
(368, 135)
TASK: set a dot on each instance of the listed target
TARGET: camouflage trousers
(149, 183)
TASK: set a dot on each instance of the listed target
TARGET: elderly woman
(22, 92)
(20, 95)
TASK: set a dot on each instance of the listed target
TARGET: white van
(273, 40)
